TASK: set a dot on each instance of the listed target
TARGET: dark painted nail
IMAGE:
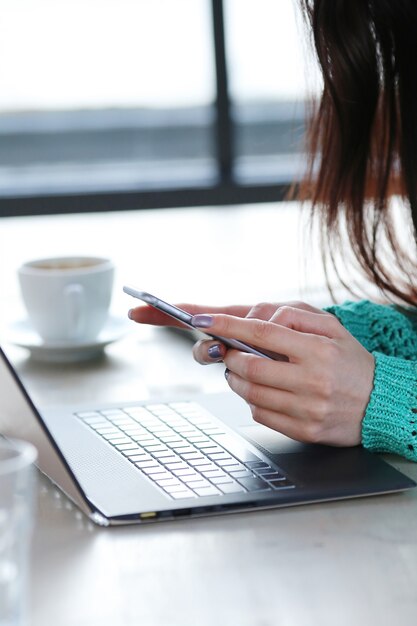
(215, 352)
(202, 321)
(226, 373)
(130, 314)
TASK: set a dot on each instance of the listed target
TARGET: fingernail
(202, 321)
(215, 352)
(226, 373)
(130, 314)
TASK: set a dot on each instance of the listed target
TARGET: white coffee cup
(67, 298)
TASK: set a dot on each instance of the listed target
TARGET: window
(109, 104)
(267, 55)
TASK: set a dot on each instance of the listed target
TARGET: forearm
(390, 422)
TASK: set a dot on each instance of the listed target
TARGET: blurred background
(129, 104)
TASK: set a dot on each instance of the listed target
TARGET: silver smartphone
(185, 318)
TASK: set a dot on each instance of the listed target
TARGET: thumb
(303, 321)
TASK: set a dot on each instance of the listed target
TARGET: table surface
(344, 563)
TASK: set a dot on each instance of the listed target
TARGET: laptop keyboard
(180, 449)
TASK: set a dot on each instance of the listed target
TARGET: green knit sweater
(390, 334)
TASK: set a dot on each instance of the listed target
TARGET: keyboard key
(167, 482)
(159, 476)
(177, 495)
(196, 484)
(172, 439)
(257, 464)
(241, 474)
(176, 466)
(221, 480)
(138, 457)
(148, 463)
(199, 462)
(192, 455)
(231, 488)
(113, 436)
(218, 455)
(173, 488)
(235, 447)
(167, 459)
(167, 456)
(126, 446)
(154, 470)
(107, 430)
(264, 470)
(281, 484)
(156, 448)
(206, 491)
(254, 484)
(196, 438)
(182, 446)
(130, 426)
(190, 478)
(204, 444)
(228, 463)
(189, 450)
(120, 441)
(135, 452)
(209, 472)
(273, 476)
(212, 449)
(212, 430)
(184, 472)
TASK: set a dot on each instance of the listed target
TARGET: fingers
(208, 351)
(259, 333)
(308, 321)
(150, 315)
(292, 341)
(280, 410)
(265, 310)
(279, 374)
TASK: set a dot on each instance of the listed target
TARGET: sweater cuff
(390, 422)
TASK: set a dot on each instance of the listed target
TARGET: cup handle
(74, 296)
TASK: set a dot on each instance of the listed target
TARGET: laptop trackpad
(272, 441)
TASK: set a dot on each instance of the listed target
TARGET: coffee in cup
(67, 298)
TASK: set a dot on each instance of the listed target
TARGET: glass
(16, 521)
(272, 73)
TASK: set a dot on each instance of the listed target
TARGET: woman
(351, 374)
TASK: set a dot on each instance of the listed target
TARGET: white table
(344, 563)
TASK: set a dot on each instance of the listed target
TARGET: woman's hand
(320, 395)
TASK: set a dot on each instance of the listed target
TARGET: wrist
(390, 421)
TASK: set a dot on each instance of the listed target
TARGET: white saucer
(23, 335)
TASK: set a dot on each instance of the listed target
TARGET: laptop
(202, 455)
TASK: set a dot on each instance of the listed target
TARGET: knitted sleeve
(378, 327)
(390, 421)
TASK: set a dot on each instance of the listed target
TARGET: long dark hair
(363, 134)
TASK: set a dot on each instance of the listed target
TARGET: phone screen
(186, 318)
